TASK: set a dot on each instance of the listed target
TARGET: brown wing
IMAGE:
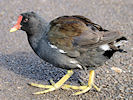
(68, 32)
(63, 29)
(96, 38)
(88, 22)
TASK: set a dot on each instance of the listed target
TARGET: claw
(98, 89)
(52, 82)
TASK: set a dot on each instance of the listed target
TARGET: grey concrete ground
(19, 65)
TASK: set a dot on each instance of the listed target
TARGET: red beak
(17, 26)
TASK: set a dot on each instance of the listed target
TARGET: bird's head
(29, 22)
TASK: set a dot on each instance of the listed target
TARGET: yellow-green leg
(54, 86)
(60, 84)
(90, 84)
(84, 88)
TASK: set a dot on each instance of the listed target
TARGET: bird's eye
(26, 20)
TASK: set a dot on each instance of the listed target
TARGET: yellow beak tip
(13, 29)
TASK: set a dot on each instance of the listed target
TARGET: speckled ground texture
(20, 65)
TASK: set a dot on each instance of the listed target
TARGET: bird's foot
(84, 88)
(54, 85)
(60, 84)
(48, 87)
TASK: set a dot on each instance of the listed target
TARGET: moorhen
(69, 42)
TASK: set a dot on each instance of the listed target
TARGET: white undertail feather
(104, 47)
(120, 43)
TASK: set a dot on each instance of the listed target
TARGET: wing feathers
(68, 32)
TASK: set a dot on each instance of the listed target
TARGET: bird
(70, 42)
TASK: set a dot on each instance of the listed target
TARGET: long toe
(40, 85)
(83, 91)
(45, 91)
(65, 86)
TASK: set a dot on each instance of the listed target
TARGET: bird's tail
(120, 42)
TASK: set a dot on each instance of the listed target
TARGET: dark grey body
(91, 59)
(37, 31)
(51, 55)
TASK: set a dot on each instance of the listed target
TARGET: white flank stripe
(73, 62)
(60, 50)
(79, 66)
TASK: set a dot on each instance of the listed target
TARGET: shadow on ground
(30, 66)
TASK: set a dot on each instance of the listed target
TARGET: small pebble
(116, 69)
(19, 87)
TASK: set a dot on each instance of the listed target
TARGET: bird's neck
(40, 32)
